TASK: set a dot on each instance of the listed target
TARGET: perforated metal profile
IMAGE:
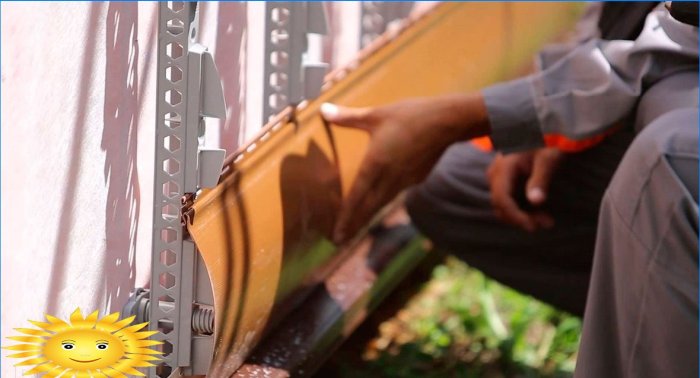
(290, 74)
(177, 28)
(279, 61)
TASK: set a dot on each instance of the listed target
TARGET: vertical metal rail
(176, 30)
(290, 74)
(188, 89)
(277, 52)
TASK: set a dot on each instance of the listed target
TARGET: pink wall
(77, 145)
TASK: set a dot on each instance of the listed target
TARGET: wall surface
(78, 111)
(77, 145)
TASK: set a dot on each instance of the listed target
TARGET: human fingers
(544, 164)
(502, 178)
(346, 116)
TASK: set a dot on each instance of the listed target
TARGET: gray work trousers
(641, 319)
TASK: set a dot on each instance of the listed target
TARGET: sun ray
(147, 343)
(143, 357)
(23, 347)
(45, 368)
(76, 317)
(56, 325)
(54, 375)
(138, 363)
(33, 361)
(113, 373)
(33, 332)
(126, 369)
(122, 323)
(144, 351)
(145, 334)
(63, 372)
(82, 374)
(92, 318)
(28, 339)
(131, 339)
(78, 321)
(98, 374)
(107, 321)
(57, 321)
(41, 325)
(132, 329)
(24, 354)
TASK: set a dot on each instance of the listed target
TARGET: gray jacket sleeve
(574, 101)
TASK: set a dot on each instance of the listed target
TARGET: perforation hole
(167, 280)
(170, 213)
(278, 80)
(171, 189)
(163, 370)
(279, 37)
(167, 348)
(171, 166)
(173, 97)
(279, 59)
(174, 50)
(172, 120)
(168, 257)
(176, 6)
(172, 143)
(175, 26)
(173, 74)
(277, 101)
(168, 235)
(280, 16)
(165, 326)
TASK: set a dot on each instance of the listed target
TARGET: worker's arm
(407, 139)
(575, 101)
(571, 105)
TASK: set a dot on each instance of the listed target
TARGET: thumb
(345, 116)
(543, 166)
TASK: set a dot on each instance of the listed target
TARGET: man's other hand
(505, 174)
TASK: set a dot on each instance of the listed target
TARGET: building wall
(78, 81)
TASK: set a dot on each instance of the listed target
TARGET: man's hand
(504, 174)
(407, 139)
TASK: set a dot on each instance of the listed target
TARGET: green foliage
(462, 324)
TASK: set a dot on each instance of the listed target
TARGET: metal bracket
(188, 89)
(291, 73)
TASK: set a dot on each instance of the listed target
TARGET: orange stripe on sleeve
(569, 145)
(483, 143)
(553, 140)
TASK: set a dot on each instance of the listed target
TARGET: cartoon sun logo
(87, 347)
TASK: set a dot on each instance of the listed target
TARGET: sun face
(84, 349)
(87, 347)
